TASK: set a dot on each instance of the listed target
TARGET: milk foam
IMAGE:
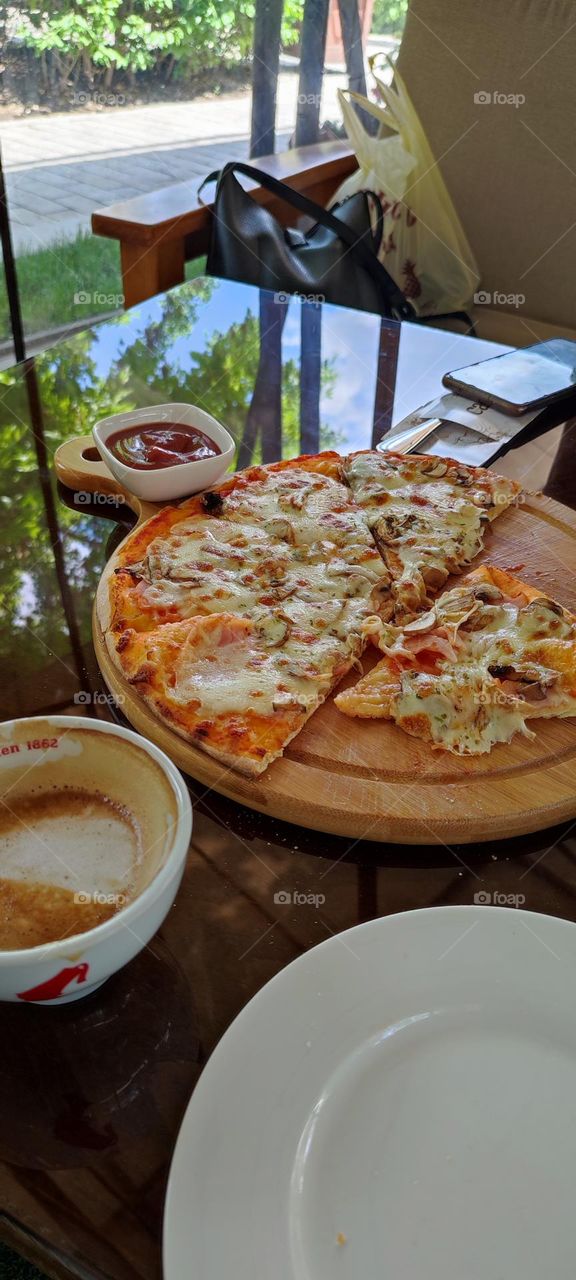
(75, 840)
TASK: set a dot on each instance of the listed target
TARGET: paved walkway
(61, 167)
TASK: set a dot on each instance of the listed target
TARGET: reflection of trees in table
(240, 375)
(271, 406)
(61, 394)
(264, 417)
(285, 407)
(385, 379)
(310, 377)
(72, 395)
(31, 603)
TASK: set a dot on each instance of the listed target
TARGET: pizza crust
(508, 583)
(103, 605)
(245, 765)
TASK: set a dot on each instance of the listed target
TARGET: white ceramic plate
(409, 1085)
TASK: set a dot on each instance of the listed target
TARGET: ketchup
(161, 444)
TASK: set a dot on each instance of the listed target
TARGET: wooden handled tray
(369, 780)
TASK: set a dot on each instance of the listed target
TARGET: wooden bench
(159, 232)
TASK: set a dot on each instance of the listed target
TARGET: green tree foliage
(98, 39)
(30, 601)
(389, 17)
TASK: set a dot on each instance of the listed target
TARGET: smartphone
(519, 381)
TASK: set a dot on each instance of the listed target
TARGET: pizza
(269, 535)
(235, 614)
(427, 515)
(490, 655)
(240, 688)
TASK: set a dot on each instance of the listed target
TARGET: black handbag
(334, 261)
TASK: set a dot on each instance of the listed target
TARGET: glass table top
(92, 1094)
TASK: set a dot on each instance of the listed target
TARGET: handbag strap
(401, 308)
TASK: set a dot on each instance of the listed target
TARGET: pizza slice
(428, 516)
(268, 535)
(488, 657)
(238, 688)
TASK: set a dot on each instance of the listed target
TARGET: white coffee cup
(145, 845)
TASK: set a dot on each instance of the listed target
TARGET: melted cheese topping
(275, 667)
(502, 627)
(372, 473)
(498, 662)
(290, 537)
(292, 554)
(214, 569)
(460, 709)
(197, 573)
(427, 514)
(296, 505)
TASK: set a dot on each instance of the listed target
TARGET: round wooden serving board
(368, 779)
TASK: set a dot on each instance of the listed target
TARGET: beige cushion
(515, 329)
(505, 327)
(511, 170)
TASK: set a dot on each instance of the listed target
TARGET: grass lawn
(69, 282)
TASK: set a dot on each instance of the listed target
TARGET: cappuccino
(69, 860)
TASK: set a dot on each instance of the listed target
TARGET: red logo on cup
(56, 986)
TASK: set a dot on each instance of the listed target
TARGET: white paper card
(487, 429)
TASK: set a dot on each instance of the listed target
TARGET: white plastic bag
(424, 246)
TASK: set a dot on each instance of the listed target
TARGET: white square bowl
(162, 484)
